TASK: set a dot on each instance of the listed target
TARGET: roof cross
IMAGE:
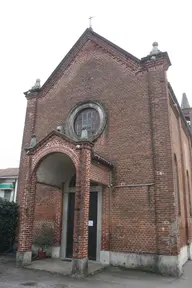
(90, 22)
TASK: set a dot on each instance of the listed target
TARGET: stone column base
(23, 258)
(79, 267)
(169, 266)
(105, 257)
(55, 253)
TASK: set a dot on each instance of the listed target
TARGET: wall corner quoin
(30, 122)
(27, 190)
(156, 67)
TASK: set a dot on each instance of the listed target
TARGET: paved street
(12, 277)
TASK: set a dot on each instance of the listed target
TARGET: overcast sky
(36, 35)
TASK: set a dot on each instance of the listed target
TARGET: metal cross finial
(90, 20)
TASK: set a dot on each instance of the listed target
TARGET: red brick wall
(181, 146)
(126, 141)
(82, 197)
(186, 202)
(187, 167)
(177, 151)
(26, 207)
(48, 209)
(100, 174)
(165, 214)
(137, 139)
(96, 75)
(28, 131)
(106, 219)
(133, 229)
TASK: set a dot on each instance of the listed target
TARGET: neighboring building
(106, 161)
(9, 183)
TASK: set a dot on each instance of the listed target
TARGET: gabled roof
(9, 172)
(88, 34)
(46, 138)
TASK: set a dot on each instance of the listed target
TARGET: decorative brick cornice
(95, 36)
(85, 144)
(132, 62)
(96, 157)
(50, 135)
(159, 59)
(32, 93)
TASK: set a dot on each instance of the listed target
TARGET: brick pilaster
(26, 212)
(29, 129)
(165, 210)
(26, 187)
(81, 217)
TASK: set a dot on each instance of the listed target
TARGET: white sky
(36, 35)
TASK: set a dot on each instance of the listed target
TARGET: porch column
(27, 187)
(58, 195)
(81, 214)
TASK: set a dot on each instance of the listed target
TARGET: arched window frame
(176, 185)
(189, 193)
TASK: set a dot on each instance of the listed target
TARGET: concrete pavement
(12, 277)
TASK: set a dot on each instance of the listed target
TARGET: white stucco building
(8, 183)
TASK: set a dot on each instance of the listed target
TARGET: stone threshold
(62, 267)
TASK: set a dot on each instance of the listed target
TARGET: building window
(187, 118)
(88, 115)
(89, 119)
(7, 194)
(189, 193)
(176, 184)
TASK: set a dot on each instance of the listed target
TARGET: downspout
(15, 192)
(110, 207)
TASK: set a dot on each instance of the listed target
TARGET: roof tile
(9, 172)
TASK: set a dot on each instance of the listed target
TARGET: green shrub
(8, 224)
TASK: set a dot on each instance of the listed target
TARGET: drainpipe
(15, 192)
(111, 188)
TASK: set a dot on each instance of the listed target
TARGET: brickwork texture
(143, 133)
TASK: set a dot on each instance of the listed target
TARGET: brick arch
(39, 156)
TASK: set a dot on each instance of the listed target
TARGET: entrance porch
(78, 177)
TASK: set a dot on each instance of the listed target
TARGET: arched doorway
(55, 169)
(53, 172)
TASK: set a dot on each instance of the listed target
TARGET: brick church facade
(106, 160)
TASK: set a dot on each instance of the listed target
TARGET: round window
(87, 119)
(87, 115)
